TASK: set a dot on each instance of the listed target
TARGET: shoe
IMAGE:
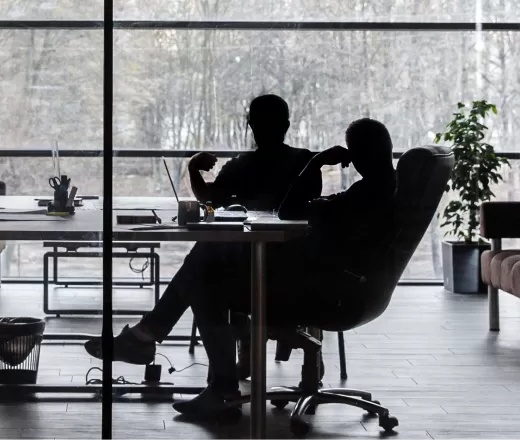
(209, 404)
(127, 348)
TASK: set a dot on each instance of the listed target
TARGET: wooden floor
(429, 358)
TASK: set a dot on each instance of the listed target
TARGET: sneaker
(127, 348)
(209, 404)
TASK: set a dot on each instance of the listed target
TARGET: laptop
(220, 216)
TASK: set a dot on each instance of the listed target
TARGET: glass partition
(182, 82)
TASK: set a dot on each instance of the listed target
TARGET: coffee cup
(189, 212)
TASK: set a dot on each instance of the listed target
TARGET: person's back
(257, 179)
(347, 227)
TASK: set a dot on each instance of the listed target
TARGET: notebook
(274, 224)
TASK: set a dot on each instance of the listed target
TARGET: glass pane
(297, 10)
(190, 89)
(51, 83)
(51, 88)
(501, 57)
(51, 10)
(500, 10)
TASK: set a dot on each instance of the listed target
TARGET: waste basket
(20, 343)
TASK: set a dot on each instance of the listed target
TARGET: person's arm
(220, 192)
(201, 162)
(296, 204)
(200, 188)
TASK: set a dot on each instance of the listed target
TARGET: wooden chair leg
(193, 340)
(342, 359)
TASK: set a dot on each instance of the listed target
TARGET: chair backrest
(422, 176)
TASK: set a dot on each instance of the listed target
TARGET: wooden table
(86, 224)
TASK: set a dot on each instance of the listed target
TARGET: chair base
(307, 401)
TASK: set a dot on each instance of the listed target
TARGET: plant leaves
(476, 168)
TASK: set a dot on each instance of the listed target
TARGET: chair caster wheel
(279, 404)
(299, 427)
(388, 423)
(311, 410)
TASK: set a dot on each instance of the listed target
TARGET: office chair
(422, 175)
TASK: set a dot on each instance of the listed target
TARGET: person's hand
(202, 162)
(335, 155)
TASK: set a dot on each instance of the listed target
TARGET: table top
(87, 224)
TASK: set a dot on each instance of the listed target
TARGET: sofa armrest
(500, 220)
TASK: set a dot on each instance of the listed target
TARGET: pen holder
(58, 208)
(60, 205)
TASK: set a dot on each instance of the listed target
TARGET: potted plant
(476, 168)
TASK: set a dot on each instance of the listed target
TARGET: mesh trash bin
(20, 342)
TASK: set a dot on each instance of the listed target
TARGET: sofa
(500, 268)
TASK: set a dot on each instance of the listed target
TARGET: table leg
(258, 340)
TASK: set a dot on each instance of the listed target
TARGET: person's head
(370, 146)
(269, 120)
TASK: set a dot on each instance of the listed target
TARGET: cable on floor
(141, 270)
(172, 369)
(117, 381)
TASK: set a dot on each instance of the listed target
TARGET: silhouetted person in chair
(311, 276)
(258, 180)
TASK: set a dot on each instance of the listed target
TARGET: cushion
(515, 279)
(485, 264)
(506, 269)
(496, 266)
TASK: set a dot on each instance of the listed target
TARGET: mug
(189, 212)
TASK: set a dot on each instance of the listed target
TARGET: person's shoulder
(302, 153)
(240, 159)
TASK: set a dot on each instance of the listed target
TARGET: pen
(58, 158)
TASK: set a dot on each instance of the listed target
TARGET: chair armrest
(500, 220)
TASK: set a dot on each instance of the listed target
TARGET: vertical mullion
(107, 331)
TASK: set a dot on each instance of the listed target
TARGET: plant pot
(461, 266)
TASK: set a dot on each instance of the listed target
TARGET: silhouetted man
(309, 277)
(258, 180)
